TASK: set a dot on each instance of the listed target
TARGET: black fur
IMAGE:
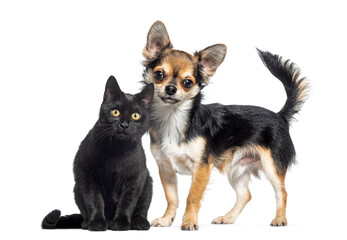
(288, 74)
(236, 125)
(53, 220)
(113, 187)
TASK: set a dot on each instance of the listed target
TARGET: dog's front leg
(200, 180)
(169, 181)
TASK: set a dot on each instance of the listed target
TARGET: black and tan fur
(191, 138)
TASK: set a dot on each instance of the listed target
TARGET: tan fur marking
(295, 74)
(223, 160)
(183, 67)
(303, 91)
(277, 180)
(196, 148)
(166, 69)
(281, 196)
(180, 62)
(201, 177)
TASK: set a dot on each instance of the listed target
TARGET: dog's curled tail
(295, 86)
(53, 220)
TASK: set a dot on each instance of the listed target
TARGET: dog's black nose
(170, 90)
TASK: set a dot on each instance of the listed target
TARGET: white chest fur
(169, 123)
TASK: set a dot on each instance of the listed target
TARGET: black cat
(113, 187)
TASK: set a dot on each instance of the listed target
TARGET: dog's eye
(159, 75)
(187, 83)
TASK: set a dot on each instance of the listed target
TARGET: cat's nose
(124, 125)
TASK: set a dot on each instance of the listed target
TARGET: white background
(55, 58)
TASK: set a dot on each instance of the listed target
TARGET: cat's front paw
(85, 224)
(97, 225)
(120, 223)
(139, 223)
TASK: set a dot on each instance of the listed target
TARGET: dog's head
(177, 75)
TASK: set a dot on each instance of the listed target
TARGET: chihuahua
(188, 137)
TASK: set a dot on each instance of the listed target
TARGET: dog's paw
(190, 226)
(97, 225)
(222, 220)
(139, 223)
(120, 223)
(162, 222)
(279, 222)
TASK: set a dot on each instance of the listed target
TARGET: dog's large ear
(112, 90)
(209, 59)
(157, 40)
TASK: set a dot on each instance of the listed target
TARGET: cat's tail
(53, 220)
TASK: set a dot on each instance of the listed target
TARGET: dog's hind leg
(277, 180)
(243, 197)
(238, 164)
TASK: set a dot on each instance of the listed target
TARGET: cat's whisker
(100, 136)
(111, 134)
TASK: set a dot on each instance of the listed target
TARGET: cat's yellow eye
(136, 116)
(115, 113)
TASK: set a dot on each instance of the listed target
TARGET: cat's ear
(146, 95)
(112, 90)
(157, 40)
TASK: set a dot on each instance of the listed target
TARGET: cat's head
(125, 116)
